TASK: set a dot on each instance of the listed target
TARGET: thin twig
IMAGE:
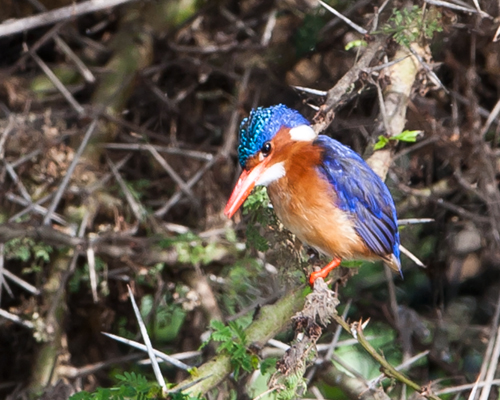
(315, 92)
(388, 369)
(147, 342)
(492, 117)
(178, 194)
(238, 22)
(468, 386)
(389, 277)
(414, 221)
(136, 207)
(406, 364)
(16, 319)
(71, 168)
(378, 11)
(76, 9)
(356, 330)
(18, 281)
(30, 207)
(441, 3)
(92, 273)
(58, 84)
(84, 71)
(268, 31)
(165, 357)
(353, 25)
(18, 183)
(411, 256)
(174, 175)
(429, 71)
(369, 70)
(333, 344)
(36, 208)
(349, 369)
(5, 134)
(492, 368)
(488, 351)
(25, 158)
(197, 155)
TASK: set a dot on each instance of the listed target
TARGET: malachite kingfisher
(321, 190)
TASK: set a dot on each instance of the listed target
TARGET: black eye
(266, 149)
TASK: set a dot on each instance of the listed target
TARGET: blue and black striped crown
(262, 125)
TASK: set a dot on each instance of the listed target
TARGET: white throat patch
(303, 133)
(273, 173)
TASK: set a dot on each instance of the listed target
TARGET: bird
(321, 190)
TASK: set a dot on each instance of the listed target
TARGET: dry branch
(19, 25)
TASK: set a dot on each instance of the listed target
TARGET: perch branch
(272, 319)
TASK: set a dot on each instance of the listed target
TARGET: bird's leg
(323, 272)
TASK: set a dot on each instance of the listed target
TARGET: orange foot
(323, 272)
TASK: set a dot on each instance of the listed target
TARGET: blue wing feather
(361, 193)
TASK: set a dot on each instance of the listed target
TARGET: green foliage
(26, 249)
(184, 396)
(191, 249)
(308, 35)
(292, 384)
(257, 200)
(81, 275)
(408, 24)
(138, 188)
(257, 206)
(405, 136)
(233, 342)
(355, 43)
(168, 318)
(255, 239)
(129, 386)
(268, 365)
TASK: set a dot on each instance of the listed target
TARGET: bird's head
(264, 138)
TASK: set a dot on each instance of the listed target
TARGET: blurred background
(118, 136)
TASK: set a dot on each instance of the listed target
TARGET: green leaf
(355, 43)
(382, 142)
(268, 365)
(407, 136)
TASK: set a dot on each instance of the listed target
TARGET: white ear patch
(303, 133)
(273, 173)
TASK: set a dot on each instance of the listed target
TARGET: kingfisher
(321, 190)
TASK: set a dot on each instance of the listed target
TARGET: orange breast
(305, 204)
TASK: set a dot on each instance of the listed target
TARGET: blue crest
(262, 125)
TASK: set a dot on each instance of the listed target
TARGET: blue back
(262, 125)
(361, 193)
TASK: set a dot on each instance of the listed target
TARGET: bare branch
(65, 181)
(18, 25)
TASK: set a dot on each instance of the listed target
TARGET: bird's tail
(393, 263)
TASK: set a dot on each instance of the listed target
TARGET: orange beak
(244, 186)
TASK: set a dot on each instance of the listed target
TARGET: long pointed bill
(243, 187)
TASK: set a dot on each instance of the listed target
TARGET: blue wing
(363, 194)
